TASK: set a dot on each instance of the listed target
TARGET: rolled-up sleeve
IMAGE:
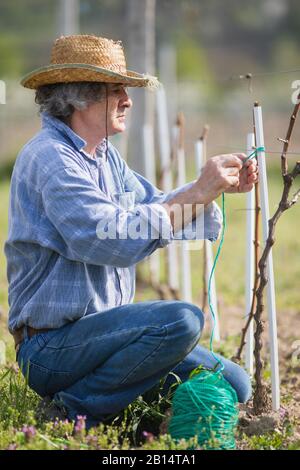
(207, 225)
(95, 229)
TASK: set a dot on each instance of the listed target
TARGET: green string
(205, 406)
(254, 154)
(209, 287)
(205, 411)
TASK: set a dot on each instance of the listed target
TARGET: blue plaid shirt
(58, 268)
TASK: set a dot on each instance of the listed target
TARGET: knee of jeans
(243, 384)
(190, 321)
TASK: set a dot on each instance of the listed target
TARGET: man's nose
(126, 101)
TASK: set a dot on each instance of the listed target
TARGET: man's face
(117, 106)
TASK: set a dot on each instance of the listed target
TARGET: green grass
(277, 440)
(22, 428)
(18, 403)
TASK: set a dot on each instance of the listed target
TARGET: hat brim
(68, 73)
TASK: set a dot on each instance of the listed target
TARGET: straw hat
(85, 58)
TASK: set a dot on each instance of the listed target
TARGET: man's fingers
(252, 178)
(232, 170)
(251, 173)
(247, 187)
(251, 161)
(231, 160)
(241, 156)
(233, 181)
(251, 165)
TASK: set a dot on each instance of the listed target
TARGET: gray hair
(61, 99)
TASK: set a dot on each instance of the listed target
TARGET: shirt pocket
(126, 200)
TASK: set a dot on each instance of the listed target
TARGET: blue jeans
(100, 363)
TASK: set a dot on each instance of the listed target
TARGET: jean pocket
(46, 381)
(44, 338)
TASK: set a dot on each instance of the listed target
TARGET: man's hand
(248, 176)
(225, 173)
(222, 173)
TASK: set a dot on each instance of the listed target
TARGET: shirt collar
(65, 130)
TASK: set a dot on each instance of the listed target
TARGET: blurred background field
(202, 50)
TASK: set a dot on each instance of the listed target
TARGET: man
(78, 336)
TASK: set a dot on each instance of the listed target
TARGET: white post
(2, 92)
(249, 278)
(167, 183)
(184, 245)
(263, 186)
(149, 158)
(200, 157)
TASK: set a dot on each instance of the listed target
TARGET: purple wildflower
(149, 436)
(80, 424)
(29, 432)
(283, 413)
(12, 447)
(92, 440)
(58, 423)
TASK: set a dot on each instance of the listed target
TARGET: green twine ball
(205, 406)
